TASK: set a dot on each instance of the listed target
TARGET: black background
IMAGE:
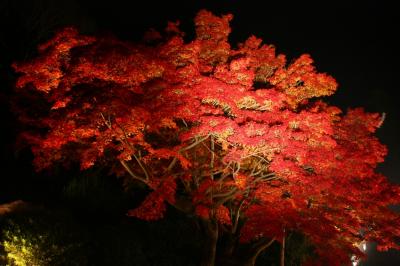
(355, 42)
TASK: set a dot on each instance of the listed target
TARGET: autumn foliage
(237, 136)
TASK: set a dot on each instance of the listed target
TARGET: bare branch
(129, 170)
(141, 166)
(194, 143)
(237, 216)
(212, 156)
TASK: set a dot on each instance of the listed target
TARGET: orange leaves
(362, 122)
(211, 27)
(239, 72)
(202, 211)
(212, 33)
(83, 133)
(263, 60)
(164, 153)
(168, 123)
(233, 155)
(153, 207)
(115, 67)
(61, 103)
(167, 189)
(241, 181)
(88, 158)
(65, 40)
(44, 75)
(182, 58)
(45, 72)
(301, 82)
(222, 215)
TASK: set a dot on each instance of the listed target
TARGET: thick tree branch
(258, 247)
(237, 216)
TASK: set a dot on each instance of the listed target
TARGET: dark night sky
(354, 41)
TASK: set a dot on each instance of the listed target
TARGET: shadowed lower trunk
(231, 253)
(255, 250)
(282, 261)
(210, 246)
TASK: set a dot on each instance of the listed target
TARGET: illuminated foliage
(235, 136)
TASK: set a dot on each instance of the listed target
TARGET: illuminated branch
(382, 119)
(128, 169)
(184, 122)
(259, 246)
(141, 166)
(223, 176)
(133, 150)
(212, 156)
(262, 168)
(237, 216)
(282, 260)
(228, 196)
(237, 170)
(107, 122)
(267, 177)
(194, 144)
(225, 194)
(172, 164)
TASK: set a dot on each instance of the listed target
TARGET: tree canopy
(235, 135)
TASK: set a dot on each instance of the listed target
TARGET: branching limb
(195, 143)
(141, 166)
(212, 156)
(198, 141)
(129, 170)
(228, 196)
(258, 247)
(133, 151)
(172, 164)
(267, 177)
(237, 216)
(225, 194)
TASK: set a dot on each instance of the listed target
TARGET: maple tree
(236, 136)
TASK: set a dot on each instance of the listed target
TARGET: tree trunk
(255, 250)
(228, 254)
(210, 246)
(283, 251)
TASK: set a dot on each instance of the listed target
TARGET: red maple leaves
(236, 132)
(153, 207)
